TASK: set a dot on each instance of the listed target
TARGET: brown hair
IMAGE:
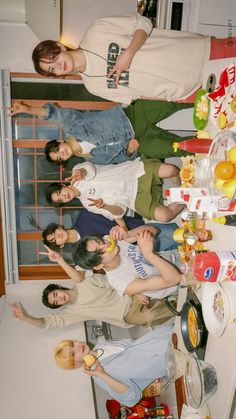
(46, 50)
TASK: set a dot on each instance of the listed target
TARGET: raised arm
(116, 385)
(113, 209)
(76, 276)
(140, 34)
(131, 235)
(20, 313)
(21, 107)
(169, 274)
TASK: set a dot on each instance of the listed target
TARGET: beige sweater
(168, 66)
(96, 301)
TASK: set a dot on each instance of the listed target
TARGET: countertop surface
(220, 352)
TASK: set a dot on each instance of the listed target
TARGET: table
(220, 352)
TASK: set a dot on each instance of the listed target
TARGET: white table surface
(220, 352)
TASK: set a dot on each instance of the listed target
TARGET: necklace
(102, 352)
(97, 55)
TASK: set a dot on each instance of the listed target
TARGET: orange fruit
(187, 172)
(224, 170)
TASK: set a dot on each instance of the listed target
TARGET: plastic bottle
(195, 145)
(229, 220)
(212, 266)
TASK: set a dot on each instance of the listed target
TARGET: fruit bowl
(218, 152)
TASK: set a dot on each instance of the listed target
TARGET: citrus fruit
(229, 188)
(233, 104)
(224, 170)
(187, 172)
(218, 183)
(112, 245)
(232, 154)
(221, 120)
(178, 235)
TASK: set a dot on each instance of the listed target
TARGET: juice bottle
(213, 266)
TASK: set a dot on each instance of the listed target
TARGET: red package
(119, 411)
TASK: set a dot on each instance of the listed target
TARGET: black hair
(47, 290)
(55, 187)
(51, 147)
(50, 229)
(85, 259)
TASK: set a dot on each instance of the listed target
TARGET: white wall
(32, 387)
(79, 14)
(18, 40)
(16, 46)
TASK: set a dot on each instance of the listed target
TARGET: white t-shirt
(133, 265)
(116, 184)
(86, 147)
(168, 66)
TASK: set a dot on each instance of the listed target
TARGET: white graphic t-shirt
(134, 265)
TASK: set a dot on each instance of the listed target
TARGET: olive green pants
(149, 193)
(155, 142)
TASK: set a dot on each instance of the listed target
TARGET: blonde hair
(67, 363)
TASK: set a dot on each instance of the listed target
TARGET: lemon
(112, 245)
(178, 235)
(229, 188)
(218, 184)
(233, 104)
(221, 120)
(232, 154)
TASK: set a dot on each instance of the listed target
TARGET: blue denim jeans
(164, 239)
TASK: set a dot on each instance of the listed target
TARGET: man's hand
(118, 233)
(52, 256)
(19, 107)
(96, 202)
(95, 372)
(133, 145)
(18, 311)
(143, 299)
(145, 243)
(122, 64)
(76, 175)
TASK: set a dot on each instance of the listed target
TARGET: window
(32, 173)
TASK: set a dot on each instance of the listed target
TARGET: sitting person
(56, 236)
(110, 136)
(123, 368)
(110, 190)
(131, 269)
(93, 299)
